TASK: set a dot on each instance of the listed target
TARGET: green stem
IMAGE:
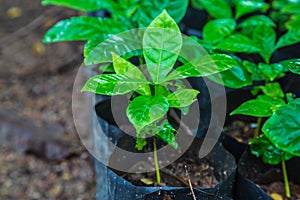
(156, 162)
(286, 181)
(257, 129)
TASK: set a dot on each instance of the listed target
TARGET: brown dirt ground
(36, 83)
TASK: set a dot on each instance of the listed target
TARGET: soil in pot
(268, 177)
(204, 173)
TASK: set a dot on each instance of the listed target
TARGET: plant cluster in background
(245, 29)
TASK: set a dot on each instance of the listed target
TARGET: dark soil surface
(203, 173)
(268, 177)
(41, 155)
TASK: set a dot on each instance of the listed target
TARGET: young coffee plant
(152, 99)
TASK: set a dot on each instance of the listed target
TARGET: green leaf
(293, 65)
(265, 37)
(294, 22)
(255, 108)
(255, 21)
(123, 44)
(182, 98)
(216, 30)
(245, 6)
(291, 37)
(112, 84)
(283, 128)
(235, 77)
(262, 146)
(271, 71)
(272, 89)
(124, 67)
(148, 10)
(217, 8)
(86, 5)
(167, 134)
(238, 43)
(256, 74)
(276, 102)
(203, 66)
(144, 110)
(161, 46)
(291, 9)
(82, 28)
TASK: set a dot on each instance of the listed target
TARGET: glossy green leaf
(255, 108)
(124, 67)
(217, 8)
(265, 37)
(291, 37)
(203, 66)
(216, 30)
(82, 28)
(293, 65)
(148, 10)
(144, 110)
(236, 77)
(162, 90)
(283, 128)
(86, 5)
(126, 43)
(256, 74)
(271, 71)
(262, 147)
(238, 43)
(112, 84)
(167, 134)
(161, 46)
(276, 102)
(255, 21)
(182, 98)
(125, 9)
(291, 9)
(272, 89)
(294, 22)
(247, 6)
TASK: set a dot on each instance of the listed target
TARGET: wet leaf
(262, 147)
(216, 30)
(238, 43)
(203, 66)
(217, 8)
(86, 5)
(283, 128)
(247, 6)
(182, 98)
(255, 21)
(161, 46)
(82, 28)
(291, 37)
(112, 84)
(149, 10)
(144, 110)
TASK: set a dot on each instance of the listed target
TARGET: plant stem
(257, 129)
(286, 181)
(156, 162)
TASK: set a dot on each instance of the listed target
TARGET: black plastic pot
(111, 186)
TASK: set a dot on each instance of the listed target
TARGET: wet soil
(268, 177)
